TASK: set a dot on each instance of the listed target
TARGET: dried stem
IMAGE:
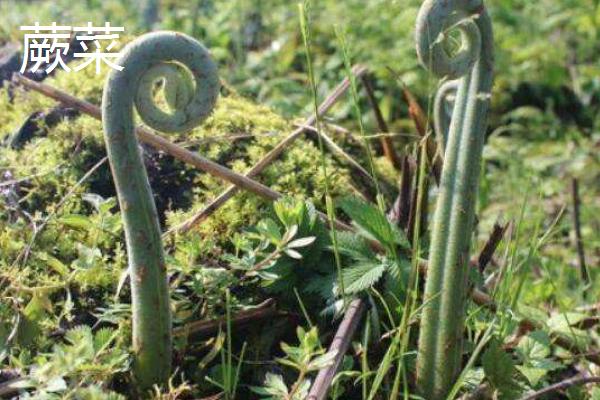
(577, 227)
(400, 212)
(147, 136)
(201, 329)
(386, 141)
(488, 250)
(342, 154)
(416, 113)
(567, 383)
(339, 345)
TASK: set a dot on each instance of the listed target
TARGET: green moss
(50, 167)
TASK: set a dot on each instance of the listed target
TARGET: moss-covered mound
(49, 167)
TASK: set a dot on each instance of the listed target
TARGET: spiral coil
(182, 67)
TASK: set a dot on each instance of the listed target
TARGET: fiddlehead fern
(191, 86)
(442, 110)
(442, 323)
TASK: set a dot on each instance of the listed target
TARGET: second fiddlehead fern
(442, 114)
(191, 85)
(442, 324)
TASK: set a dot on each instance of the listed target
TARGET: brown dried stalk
(567, 383)
(147, 136)
(577, 227)
(400, 212)
(339, 345)
(485, 256)
(419, 118)
(386, 141)
(200, 329)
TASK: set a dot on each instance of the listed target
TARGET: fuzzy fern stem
(190, 83)
(442, 323)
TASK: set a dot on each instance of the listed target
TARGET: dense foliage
(65, 319)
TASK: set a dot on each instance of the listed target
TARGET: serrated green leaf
(354, 246)
(80, 334)
(500, 370)
(534, 350)
(274, 385)
(534, 375)
(362, 277)
(562, 321)
(269, 229)
(373, 223)
(102, 338)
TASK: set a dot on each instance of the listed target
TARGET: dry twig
(386, 141)
(577, 227)
(339, 345)
(264, 310)
(488, 250)
(567, 383)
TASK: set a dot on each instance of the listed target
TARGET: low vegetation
(351, 265)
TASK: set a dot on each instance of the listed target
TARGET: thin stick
(577, 226)
(339, 345)
(147, 136)
(419, 118)
(329, 125)
(567, 383)
(341, 153)
(11, 387)
(221, 199)
(488, 250)
(386, 141)
(400, 213)
(265, 310)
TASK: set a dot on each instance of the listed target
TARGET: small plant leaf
(362, 277)
(307, 241)
(500, 370)
(322, 361)
(373, 223)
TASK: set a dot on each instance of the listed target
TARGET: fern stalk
(442, 323)
(191, 87)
